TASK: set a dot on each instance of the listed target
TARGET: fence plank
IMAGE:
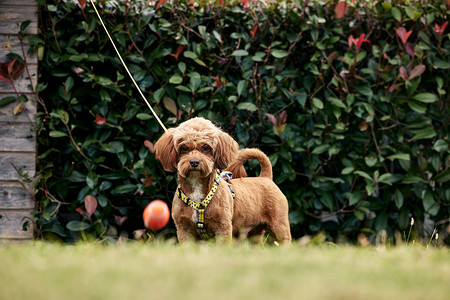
(22, 82)
(7, 112)
(17, 137)
(11, 224)
(12, 16)
(11, 44)
(14, 196)
(24, 161)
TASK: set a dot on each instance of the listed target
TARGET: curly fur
(196, 149)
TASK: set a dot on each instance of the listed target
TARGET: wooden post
(17, 137)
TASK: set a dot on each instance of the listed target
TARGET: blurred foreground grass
(201, 271)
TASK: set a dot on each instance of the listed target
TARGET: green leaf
(279, 53)
(113, 147)
(417, 107)
(239, 53)
(321, 149)
(365, 175)
(426, 133)
(182, 67)
(370, 188)
(364, 89)
(396, 14)
(92, 180)
(77, 226)
(217, 36)
(443, 177)
(412, 179)
(190, 54)
(69, 83)
(327, 200)
(57, 134)
(429, 204)
(200, 62)
(337, 102)
(158, 94)
(385, 178)
(144, 117)
(371, 160)
(7, 100)
(426, 97)
(354, 198)
(398, 198)
(242, 87)
(125, 188)
(440, 146)
(176, 79)
(247, 106)
(317, 103)
(403, 156)
(347, 170)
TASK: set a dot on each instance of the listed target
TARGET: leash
(126, 68)
(200, 207)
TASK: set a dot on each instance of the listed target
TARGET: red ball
(156, 215)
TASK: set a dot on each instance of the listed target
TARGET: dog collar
(201, 206)
(204, 203)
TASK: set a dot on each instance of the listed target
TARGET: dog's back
(238, 169)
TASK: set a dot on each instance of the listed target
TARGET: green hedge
(350, 101)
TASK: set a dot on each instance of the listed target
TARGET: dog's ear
(226, 151)
(166, 152)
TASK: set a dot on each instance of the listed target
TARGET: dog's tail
(238, 169)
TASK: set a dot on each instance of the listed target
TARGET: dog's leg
(184, 236)
(224, 233)
(282, 233)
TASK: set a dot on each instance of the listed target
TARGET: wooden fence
(17, 137)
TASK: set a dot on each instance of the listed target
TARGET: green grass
(199, 271)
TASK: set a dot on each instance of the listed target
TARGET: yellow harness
(200, 207)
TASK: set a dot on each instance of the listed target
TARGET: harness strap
(200, 207)
(201, 224)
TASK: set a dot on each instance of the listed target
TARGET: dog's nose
(194, 162)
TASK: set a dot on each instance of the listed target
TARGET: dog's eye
(184, 149)
(206, 148)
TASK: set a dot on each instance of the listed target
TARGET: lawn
(201, 271)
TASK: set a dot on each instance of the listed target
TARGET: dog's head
(195, 148)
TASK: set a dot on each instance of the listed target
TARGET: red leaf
(409, 49)
(82, 4)
(178, 52)
(253, 31)
(10, 65)
(440, 29)
(170, 105)
(149, 145)
(91, 204)
(404, 73)
(332, 56)
(4, 78)
(82, 212)
(272, 119)
(100, 120)
(120, 220)
(282, 117)
(401, 32)
(148, 181)
(160, 2)
(341, 9)
(394, 86)
(351, 41)
(417, 71)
